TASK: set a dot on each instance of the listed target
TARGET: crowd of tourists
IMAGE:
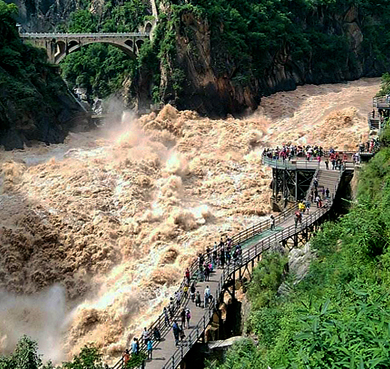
(177, 315)
(370, 146)
(289, 152)
(333, 159)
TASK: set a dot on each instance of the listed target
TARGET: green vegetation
(29, 87)
(339, 315)
(24, 72)
(26, 356)
(247, 36)
(102, 68)
(385, 85)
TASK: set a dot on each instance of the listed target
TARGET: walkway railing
(247, 257)
(240, 237)
(299, 163)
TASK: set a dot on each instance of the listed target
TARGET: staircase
(328, 179)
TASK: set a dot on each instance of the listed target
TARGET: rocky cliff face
(215, 91)
(210, 92)
(47, 122)
(35, 104)
(43, 15)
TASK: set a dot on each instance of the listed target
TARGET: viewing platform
(382, 102)
(303, 164)
(291, 179)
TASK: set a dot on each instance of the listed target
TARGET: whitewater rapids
(95, 233)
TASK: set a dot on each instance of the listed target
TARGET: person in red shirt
(126, 357)
(187, 275)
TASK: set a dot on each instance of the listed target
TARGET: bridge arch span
(58, 45)
(127, 47)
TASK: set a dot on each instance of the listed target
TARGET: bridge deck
(167, 348)
(85, 35)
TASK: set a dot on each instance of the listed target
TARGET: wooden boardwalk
(254, 242)
(166, 349)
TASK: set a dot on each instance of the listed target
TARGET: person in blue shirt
(149, 347)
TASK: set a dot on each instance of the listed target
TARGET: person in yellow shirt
(301, 207)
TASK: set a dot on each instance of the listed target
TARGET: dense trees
(247, 36)
(102, 68)
(27, 81)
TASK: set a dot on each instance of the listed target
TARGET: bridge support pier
(289, 185)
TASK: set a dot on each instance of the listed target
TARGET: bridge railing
(300, 163)
(84, 35)
(247, 257)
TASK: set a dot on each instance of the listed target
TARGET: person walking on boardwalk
(206, 295)
(145, 336)
(185, 290)
(318, 201)
(156, 334)
(297, 218)
(166, 317)
(149, 348)
(126, 357)
(178, 298)
(206, 273)
(333, 162)
(187, 275)
(228, 256)
(239, 253)
(301, 207)
(135, 346)
(188, 317)
(315, 183)
(272, 222)
(222, 258)
(327, 193)
(197, 299)
(183, 317)
(215, 258)
(307, 206)
(192, 292)
(175, 329)
(327, 163)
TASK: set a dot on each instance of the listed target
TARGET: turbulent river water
(95, 233)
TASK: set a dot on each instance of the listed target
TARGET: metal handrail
(91, 35)
(241, 237)
(247, 257)
(312, 184)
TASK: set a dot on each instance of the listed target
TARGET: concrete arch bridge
(59, 45)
